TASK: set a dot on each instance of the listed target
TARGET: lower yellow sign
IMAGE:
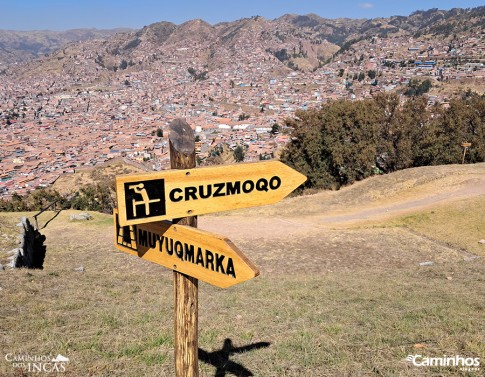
(205, 256)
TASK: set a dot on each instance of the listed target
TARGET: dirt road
(353, 205)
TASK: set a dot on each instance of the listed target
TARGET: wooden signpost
(465, 146)
(179, 195)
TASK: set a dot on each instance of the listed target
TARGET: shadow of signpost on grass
(220, 359)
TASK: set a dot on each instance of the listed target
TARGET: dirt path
(469, 189)
(241, 226)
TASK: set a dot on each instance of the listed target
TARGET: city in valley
(235, 83)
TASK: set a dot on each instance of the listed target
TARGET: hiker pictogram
(140, 189)
(144, 199)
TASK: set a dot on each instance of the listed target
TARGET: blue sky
(107, 14)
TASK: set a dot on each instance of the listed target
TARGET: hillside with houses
(236, 84)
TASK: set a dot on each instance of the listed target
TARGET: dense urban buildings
(99, 100)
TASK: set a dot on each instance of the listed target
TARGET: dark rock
(31, 252)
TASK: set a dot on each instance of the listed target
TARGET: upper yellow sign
(173, 194)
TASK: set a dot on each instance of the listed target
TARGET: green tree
(335, 145)
(463, 121)
(239, 153)
(417, 87)
(41, 198)
(397, 134)
(372, 74)
(345, 141)
(123, 64)
(159, 132)
(275, 128)
(475, 126)
(351, 134)
(17, 204)
(95, 197)
(307, 151)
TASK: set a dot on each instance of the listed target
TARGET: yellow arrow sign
(191, 251)
(178, 193)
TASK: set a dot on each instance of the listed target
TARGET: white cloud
(366, 5)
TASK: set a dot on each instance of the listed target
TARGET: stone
(482, 242)
(80, 269)
(83, 216)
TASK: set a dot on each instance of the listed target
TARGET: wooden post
(186, 300)
(465, 146)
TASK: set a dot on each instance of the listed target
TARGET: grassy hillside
(334, 298)
(105, 173)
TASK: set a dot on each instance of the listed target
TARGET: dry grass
(460, 224)
(454, 87)
(105, 173)
(380, 191)
(352, 301)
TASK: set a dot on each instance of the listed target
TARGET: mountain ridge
(275, 47)
(20, 46)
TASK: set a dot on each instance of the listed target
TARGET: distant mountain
(303, 42)
(18, 46)
(436, 22)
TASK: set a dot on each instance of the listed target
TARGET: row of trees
(345, 141)
(98, 197)
(360, 76)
